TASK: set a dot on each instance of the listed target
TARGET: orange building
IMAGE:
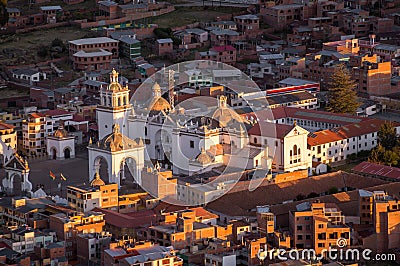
(183, 228)
(99, 195)
(159, 184)
(386, 223)
(373, 78)
(68, 227)
(317, 226)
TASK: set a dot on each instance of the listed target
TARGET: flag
(52, 175)
(63, 177)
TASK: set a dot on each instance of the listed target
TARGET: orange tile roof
(204, 214)
(36, 115)
(346, 132)
(322, 137)
(4, 126)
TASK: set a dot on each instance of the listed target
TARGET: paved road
(75, 170)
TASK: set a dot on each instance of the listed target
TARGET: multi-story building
(92, 53)
(385, 219)
(98, 195)
(25, 239)
(181, 229)
(53, 253)
(8, 142)
(8, 135)
(91, 246)
(248, 25)
(281, 16)
(337, 144)
(373, 78)
(318, 226)
(67, 228)
(225, 54)
(221, 37)
(34, 131)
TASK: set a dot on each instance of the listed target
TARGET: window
(192, 144)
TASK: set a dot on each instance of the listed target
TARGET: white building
(29, 75)
(60, 145)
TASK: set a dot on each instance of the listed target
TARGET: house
(93, 53)
(51, 13)
(29, 75)
(164, 46)
(129, 46)
(318, 226)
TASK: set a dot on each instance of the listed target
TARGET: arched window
(291, 153)
(298, 151)
(255, 140)
(119, 101)
(295, 150)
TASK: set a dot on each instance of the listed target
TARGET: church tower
(114, 107)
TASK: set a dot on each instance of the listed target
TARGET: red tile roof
(128, 220)
(223, 48)
(270, 130)
(56, 112)
(322, 137)
(204, 214)
(345, 132)
(377, 170)
(37, 115)
(4, 126)
(78, 118)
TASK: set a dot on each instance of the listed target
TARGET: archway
(53, 153)
(67, 153)
(101, 165)
(17, 184)
(128, 174)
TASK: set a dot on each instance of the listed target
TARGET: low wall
(84, 24)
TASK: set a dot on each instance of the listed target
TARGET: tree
(333, 190)
(387, 136)
(42, 51)
(342, 96)
(377, 154)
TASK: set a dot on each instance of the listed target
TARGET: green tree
(376, 155)
(342, 96)
(387, 136)
(333, 190)
(391, 157)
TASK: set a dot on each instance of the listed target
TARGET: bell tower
(114, 107)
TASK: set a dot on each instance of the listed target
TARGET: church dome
(224, 115)
(60, 132)
(203, 157)
(97, 182)
(159, 104)
(116, 141)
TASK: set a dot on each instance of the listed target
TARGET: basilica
(151, 131)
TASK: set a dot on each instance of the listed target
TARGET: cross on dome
(114, 76)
